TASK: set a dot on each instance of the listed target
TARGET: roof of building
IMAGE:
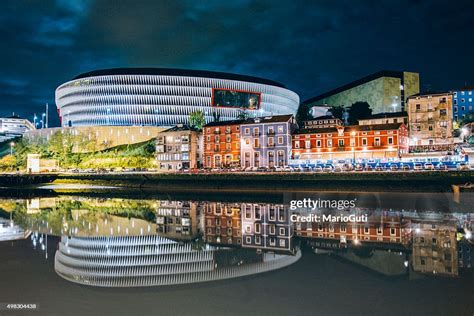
(385, 115)
(179, 128)
(351, 128)
(358, 82)
(324, 117)
(255, 120)
(177, 72)
(425, 94)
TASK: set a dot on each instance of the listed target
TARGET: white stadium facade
(166, 97)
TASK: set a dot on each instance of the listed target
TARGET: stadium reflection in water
(115, 242)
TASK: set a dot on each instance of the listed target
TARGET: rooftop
(255, 120)
(179, 128)
(177, 72)
(352, 128)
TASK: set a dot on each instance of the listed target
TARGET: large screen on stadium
(236, 99)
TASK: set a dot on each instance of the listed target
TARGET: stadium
(166, 97)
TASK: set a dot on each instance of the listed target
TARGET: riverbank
(374, 181)
(435, 181)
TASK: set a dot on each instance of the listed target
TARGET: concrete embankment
(19, 179)
(375, 181)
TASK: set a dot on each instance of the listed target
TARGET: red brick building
(356, 142)
(223, 223)
(222, 144)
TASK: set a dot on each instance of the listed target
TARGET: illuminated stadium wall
(166, 97)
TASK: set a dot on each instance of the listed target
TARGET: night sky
(309, 46)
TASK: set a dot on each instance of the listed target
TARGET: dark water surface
(230, 254)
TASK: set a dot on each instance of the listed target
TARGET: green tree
(359, 110)
(337, 111)
(8, 162)
(469, 118)
(243, 115)
(197, 120)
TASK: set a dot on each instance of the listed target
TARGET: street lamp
(42, 121)
(12, 144)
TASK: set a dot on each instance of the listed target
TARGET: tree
(469, 118)
(216, 116)
(359, 110)
(7, 162)
(243, 115)
(197, 120)
(337, 111)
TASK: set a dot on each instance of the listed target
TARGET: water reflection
(120, 242)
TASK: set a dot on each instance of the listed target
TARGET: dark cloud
(310, 46)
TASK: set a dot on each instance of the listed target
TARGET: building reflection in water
(119, 242)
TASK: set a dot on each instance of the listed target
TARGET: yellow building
(430, 119)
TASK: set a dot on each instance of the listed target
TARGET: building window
(392, 231)
(282, 243)
(271, 213)
(258, 240)
(271, 229)
(280, 129)
(280, 140)
(341, 142)
(257, 212)
(318, 143)
(364, 141)
(352, 142)
(271, 141)
(390, 140)
(329, 142)
(248, 229)
(307, 144)
(297, 144)
(281, 231)
(272, 241)
(248, 213)
(366, 230)
(376, 141)
(257, 228)
(247, 131)
(418, 107)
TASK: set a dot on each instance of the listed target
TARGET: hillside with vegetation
(61, 147)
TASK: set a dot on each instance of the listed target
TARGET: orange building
(356, 142)
(222, 144)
